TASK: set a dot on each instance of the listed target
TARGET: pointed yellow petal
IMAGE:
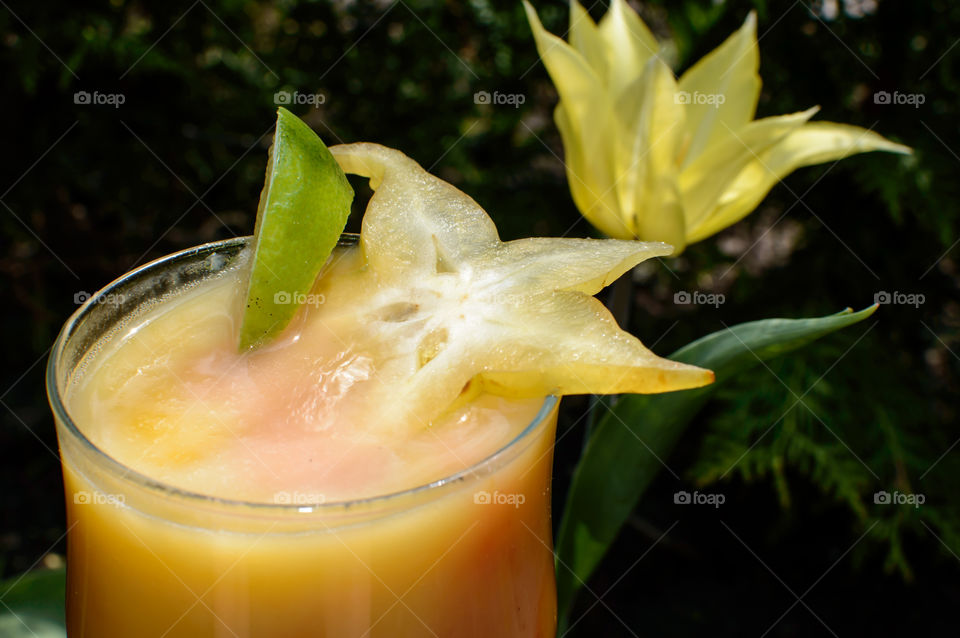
(629, 45)
(585, 120)
(812, 143)
(582, 265)
(705, 180)
(646, 161)
(589, 164)
(577, 83)
(728, 74)
(818, 142)
(585, 38)
(584, 351)
(409, 224)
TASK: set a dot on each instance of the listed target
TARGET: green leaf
(33, 605)
(622, 456)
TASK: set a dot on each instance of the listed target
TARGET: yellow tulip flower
(660, 159)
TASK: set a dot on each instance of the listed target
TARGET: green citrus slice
(303, 209)
(452, 310)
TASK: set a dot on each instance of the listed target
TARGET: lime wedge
(303, 210)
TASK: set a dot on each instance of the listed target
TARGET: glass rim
(113, 466)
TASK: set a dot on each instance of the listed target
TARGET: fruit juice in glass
(282, 441)
(243, 517)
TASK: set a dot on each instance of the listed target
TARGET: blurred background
(137, 129)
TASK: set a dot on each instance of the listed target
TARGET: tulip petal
(577, 83)
(708, 177)
(728, 74)
(812, 143)
(585, 38)
(585, 120)
(652, 123)
(629, 43)
(591, 178)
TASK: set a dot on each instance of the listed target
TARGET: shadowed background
(89, 190)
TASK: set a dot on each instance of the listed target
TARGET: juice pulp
(293, 542)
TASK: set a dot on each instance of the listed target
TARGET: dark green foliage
(806, 427)
(626, 449)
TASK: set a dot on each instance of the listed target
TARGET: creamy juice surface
(172, 398)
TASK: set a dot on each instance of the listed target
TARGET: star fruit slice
(460, 311)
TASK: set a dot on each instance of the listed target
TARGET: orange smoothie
(242, 497)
